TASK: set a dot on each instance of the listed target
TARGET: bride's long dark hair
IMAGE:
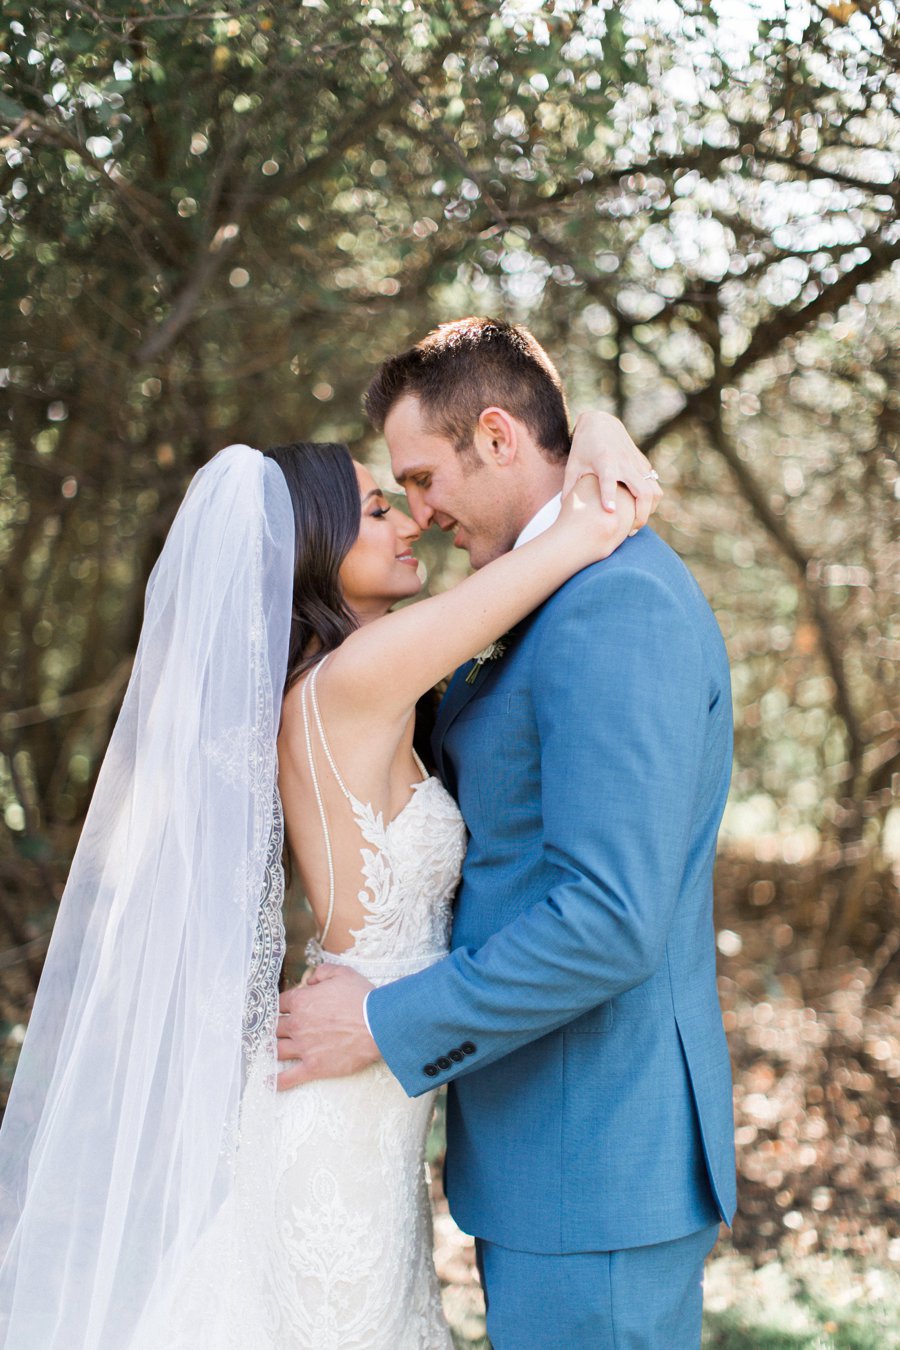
(325, 496)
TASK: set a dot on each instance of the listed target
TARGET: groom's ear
(496, 437)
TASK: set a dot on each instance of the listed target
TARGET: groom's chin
(484, 551)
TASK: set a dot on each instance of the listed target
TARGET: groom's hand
(321, 1026)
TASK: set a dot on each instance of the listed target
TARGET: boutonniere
(492, 652)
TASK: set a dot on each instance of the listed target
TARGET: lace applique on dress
(326, 1241)
(354, 1268)
(410, 866)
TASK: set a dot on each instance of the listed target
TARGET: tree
(218, 221)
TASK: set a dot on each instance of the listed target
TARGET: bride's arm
(387, 665)
(601, 445)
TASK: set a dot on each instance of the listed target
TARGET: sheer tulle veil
(158, 1000)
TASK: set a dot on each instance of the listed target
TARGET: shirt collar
(540, 521)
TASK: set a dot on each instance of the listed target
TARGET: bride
(155, 1190)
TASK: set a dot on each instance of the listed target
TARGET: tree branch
(101, 696)
(831, 640)
(143, 205)
(770, 333)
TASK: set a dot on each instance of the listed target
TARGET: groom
(576, 1019)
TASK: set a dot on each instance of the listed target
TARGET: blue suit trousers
(638, 1298)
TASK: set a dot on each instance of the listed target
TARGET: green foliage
(217, 222)
(821, 1303)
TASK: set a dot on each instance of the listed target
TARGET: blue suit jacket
(576, 1018)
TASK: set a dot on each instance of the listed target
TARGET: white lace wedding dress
(325, 1242)
(353, 1209)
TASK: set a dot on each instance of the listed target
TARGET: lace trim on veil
(269, 945)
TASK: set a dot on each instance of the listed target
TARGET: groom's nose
(421, 512)
(409, 529)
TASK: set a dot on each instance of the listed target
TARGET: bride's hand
(602, 446)
(583, 524)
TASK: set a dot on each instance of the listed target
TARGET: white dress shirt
(540, 521)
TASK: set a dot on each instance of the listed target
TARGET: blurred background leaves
(218, 218)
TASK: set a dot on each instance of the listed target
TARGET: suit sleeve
(620, 701)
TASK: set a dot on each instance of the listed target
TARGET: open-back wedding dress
(353, 1216)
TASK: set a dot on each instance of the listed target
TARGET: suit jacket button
(468, 1047)
(431, 1070)
(443, 1062)
(457, 1056)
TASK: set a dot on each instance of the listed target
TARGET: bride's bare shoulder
(330, 696)
(351, 685)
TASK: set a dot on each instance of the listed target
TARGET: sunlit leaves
(220, 221)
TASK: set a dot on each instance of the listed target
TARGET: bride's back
(350, 787)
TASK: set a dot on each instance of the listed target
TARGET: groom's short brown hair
(461, 368)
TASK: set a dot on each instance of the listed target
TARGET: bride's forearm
(392, 661)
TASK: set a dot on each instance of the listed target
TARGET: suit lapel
(457, 696)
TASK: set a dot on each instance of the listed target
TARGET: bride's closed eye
(380, 512)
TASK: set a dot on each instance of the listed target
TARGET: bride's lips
(409, 559)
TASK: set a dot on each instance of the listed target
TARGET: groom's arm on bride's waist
(621, 696)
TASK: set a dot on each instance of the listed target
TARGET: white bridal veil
(159, 994)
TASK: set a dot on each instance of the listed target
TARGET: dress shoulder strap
(321, 730)
(308, 694)
(309, 699)
(418, 758)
